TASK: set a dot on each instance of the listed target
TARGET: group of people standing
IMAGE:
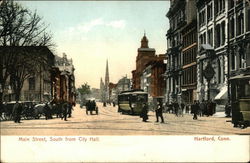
(203, 108)
(158, 112)
(197, 108)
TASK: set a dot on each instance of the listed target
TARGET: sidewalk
(219, 114)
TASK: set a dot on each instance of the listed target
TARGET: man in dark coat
(64, 111)
(17, 110)
(158, 112)
(194, 109)
(47, 111)
(70, 108)
(144, 112)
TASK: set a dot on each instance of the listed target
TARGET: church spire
(107, 82)
(107, 74)
(144, 41)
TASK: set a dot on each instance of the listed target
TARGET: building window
(240, 23)
(209, 12)
(201, 72)
(32, 83)
(219, 71)
(218, 38)
(233, 59)
(210, 36)
(223, 33)
(231, 3)
(242, 58)
(231, 28)
(248, 18)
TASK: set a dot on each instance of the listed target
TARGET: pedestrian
(194, 109)
(70, 108)
(182, 108)
(47, 111)
(202, 108)
(17, 110)
(113, 104)
(64, 111)
(176, 108)
(158, 112)
(144, 112)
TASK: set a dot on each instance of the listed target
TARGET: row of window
(177, 19)
(207, 37)
(189, 56)
(206, 14)
(189, 75)
(238, 59)
(189, 39)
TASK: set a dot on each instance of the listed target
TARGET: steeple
(107, 74)
(106, 96)
(144, 41)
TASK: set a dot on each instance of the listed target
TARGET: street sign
(209, 72)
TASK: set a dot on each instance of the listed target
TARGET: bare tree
(19, 27)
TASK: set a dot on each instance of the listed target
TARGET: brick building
(145, 54)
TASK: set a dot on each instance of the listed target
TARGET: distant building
(124, 84)
(95, 93)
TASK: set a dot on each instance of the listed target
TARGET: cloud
(117, 24)
(89, 26)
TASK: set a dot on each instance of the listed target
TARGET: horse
(40, 110)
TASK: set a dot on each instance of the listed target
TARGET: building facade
(239, 55)
(212, 50)
(189, 53)
(177, 20)
(63, 80)
(37, 87)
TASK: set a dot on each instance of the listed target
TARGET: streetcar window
(244, 90)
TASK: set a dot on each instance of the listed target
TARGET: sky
(91, 32)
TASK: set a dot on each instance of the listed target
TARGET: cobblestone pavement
(110, 122)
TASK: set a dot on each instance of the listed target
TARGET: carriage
(130, 102)
(91, 106)
(27, 110)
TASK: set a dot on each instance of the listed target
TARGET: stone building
(212, 50)
(177, 20)
(189, 53)
(239, 51)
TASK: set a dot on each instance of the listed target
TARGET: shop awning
(222, 94)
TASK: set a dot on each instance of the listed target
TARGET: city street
(110, 122)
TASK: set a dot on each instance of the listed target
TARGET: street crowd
(203, 108)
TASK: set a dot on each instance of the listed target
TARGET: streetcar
(240, 92)
(130, 102)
